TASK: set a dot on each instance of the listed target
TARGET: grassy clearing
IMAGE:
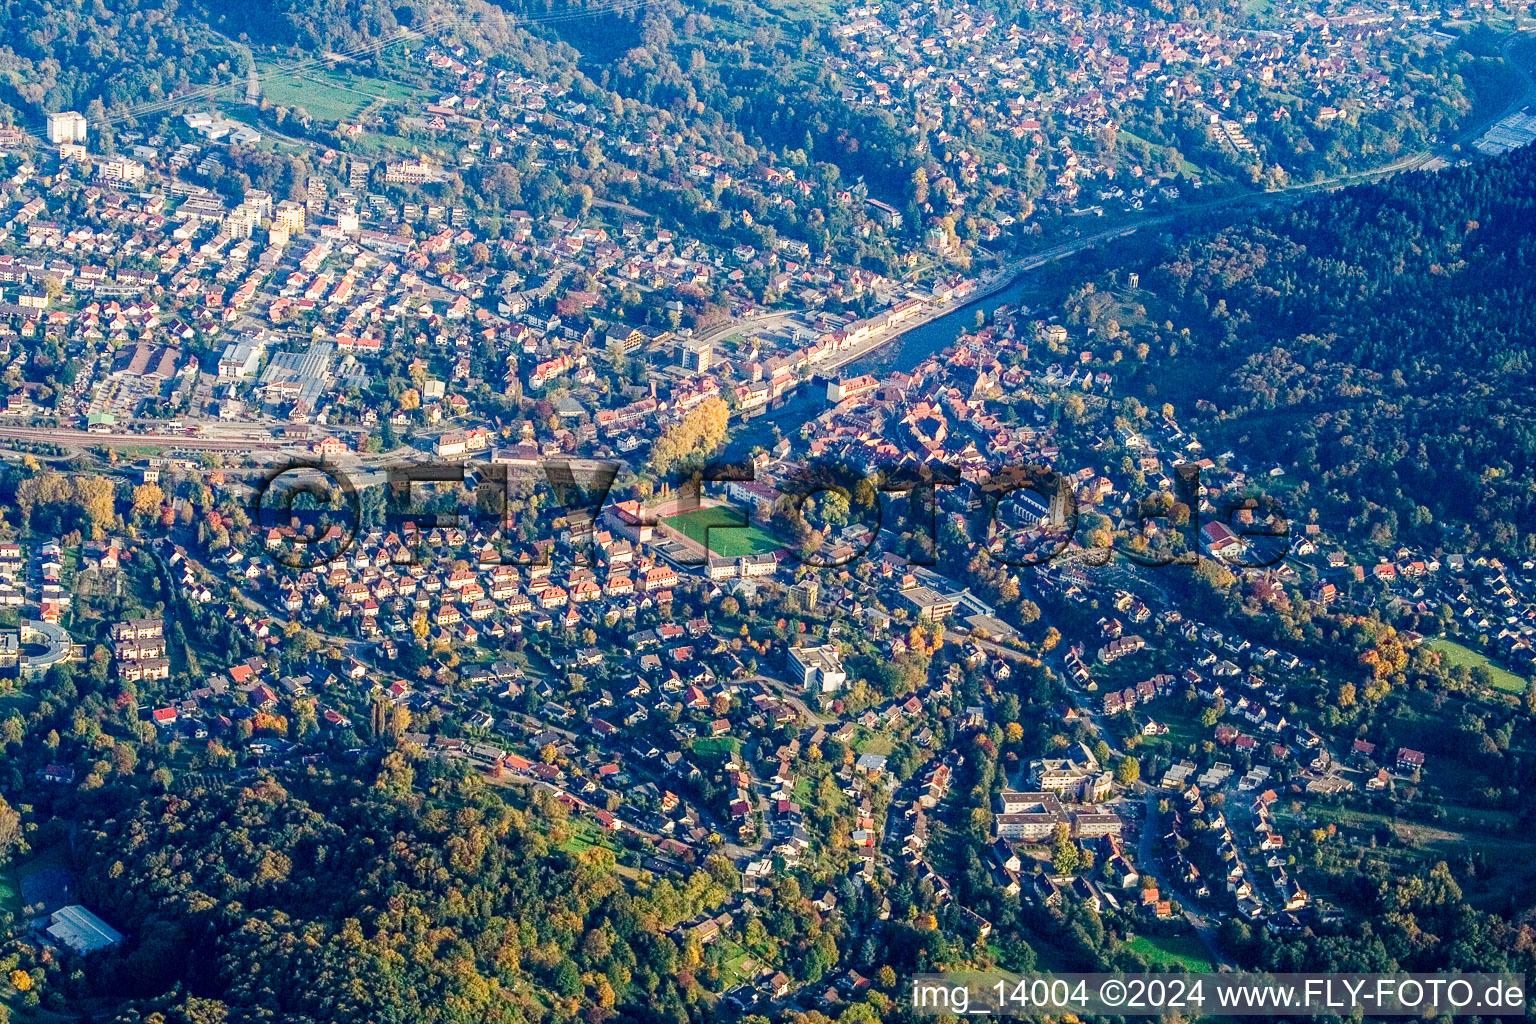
(739, 966)
(10, 890)
(720, 529)
(873, 743)
(1172, 950)
(330, 95)
(1408, 847)
(803, 793)
(383, 147)
(1184, 730)
(1050, 955)
(717, 746)
(1425, 838)
(584, 835)
(1457, 656)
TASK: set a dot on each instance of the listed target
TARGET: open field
(720, 528)
(1171, 950)
(717, 746)
(872, 742)
(329, 95)
(584, 835)
(739, 967)
(1457, 655)
(1408, 847)
(1184, 731)
(1442, 839)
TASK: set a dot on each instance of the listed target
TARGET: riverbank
(929, 332)
(1001, 280)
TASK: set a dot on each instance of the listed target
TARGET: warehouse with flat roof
(81, 930)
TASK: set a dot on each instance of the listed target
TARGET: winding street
(1145, 857)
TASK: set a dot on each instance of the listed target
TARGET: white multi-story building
(66, 126)
(412, 172)
(240, 360)
(121, 171)
(820, 668)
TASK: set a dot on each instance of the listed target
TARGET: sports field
(726, 537)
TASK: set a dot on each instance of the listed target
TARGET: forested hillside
(336, 903)
(98, 57)
(57, 56)
(1377, 341)
(344, 25)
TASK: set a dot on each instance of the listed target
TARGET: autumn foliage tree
(686, 444)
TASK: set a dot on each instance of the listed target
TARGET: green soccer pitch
(720, 526)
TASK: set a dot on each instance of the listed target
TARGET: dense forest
(100, 57)
(92, 56)
(1380, 341)
(299, 22)
(356, 901)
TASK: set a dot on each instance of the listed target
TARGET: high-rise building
(289, 216)
(66, 126)
(260, 200)
(697, 354)
(315, 192)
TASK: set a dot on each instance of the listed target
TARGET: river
(903, 353)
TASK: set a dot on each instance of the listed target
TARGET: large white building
(66, 126)
(1028, 816)
(1077, 775)
(820, 668)
(121, 171)
(240, 359)
(412, 172)
(81, 930)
